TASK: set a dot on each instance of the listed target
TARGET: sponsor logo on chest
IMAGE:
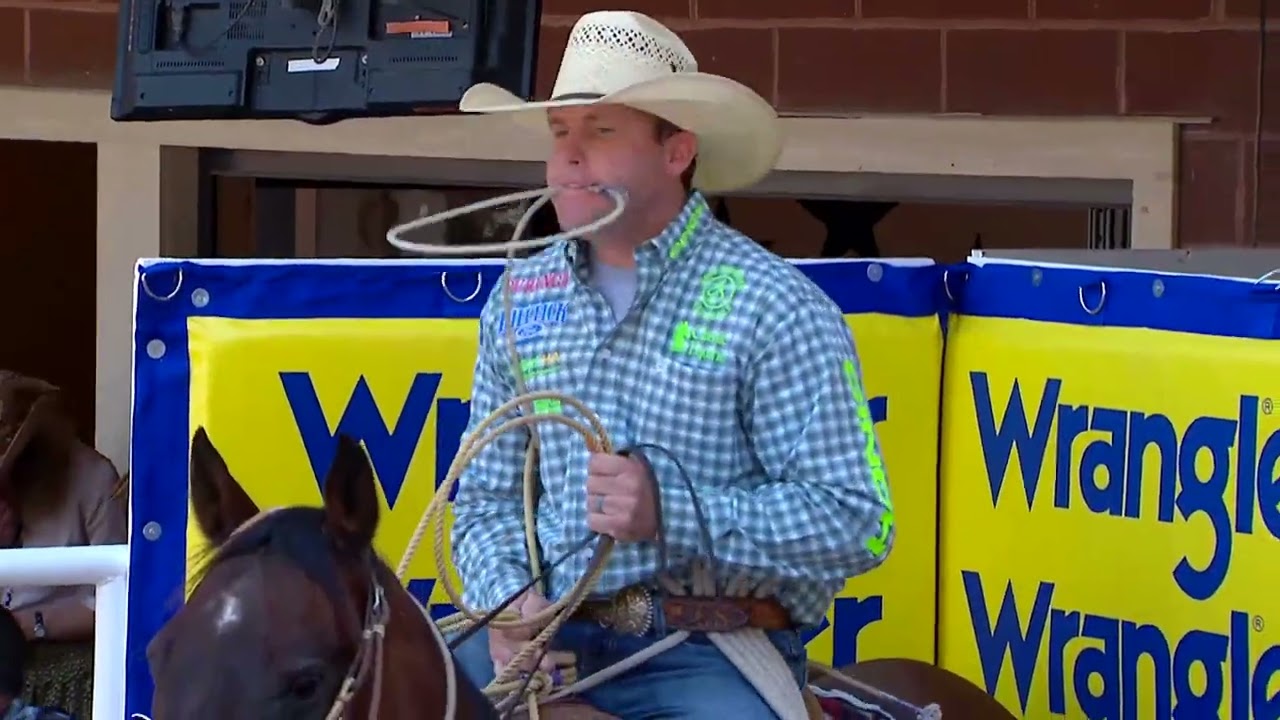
(535, 320)
(546, 281)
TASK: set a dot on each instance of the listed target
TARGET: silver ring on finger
(600, 504)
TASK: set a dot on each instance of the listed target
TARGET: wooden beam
(1141, 150)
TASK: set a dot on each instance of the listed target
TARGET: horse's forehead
(248, 591)
(228, 612)
(229, 605)
(228, 608)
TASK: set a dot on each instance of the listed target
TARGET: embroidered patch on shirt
(546, 281)
(534, 320)
(720, 285)
(540, 365)
(698, 343)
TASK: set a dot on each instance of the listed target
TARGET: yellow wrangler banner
(276, 359)
(1111, 494)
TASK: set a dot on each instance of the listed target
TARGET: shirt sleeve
(488, 527)
(822, 512)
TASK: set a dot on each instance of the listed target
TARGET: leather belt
(631, 612)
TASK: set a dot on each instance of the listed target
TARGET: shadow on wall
(48, 268)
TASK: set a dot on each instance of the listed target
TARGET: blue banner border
(1202, 305)
(167, 293)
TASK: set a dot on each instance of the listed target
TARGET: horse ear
(221, 505)
(350, 498)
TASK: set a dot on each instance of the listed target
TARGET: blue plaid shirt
(730, 359)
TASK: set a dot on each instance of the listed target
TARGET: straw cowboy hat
(627, 58)
(28, 407)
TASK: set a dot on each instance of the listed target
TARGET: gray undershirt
(617, 284)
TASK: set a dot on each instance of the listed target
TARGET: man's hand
(505, 643)
(620, 498)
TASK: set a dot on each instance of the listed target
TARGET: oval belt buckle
(632, 612)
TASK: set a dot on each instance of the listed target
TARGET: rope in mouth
(508, 689)
(541, 197)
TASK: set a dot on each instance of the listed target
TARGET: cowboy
(721, 364)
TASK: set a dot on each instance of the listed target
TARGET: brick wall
(1194, 58)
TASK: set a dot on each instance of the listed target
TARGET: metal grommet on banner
(444, 283)
(1102, 298)
(146, 288)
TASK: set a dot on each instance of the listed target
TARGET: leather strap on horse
(369, 655)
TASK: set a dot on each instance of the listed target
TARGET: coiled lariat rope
(508, 687)
(748, 649)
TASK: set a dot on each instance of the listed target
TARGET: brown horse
(295, 614)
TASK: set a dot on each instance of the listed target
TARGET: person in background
(55, 491)
(13, 674)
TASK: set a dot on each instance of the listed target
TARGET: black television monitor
(316, 60)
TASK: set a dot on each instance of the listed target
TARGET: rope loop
(508, 689)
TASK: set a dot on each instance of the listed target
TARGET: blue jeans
(691, 680)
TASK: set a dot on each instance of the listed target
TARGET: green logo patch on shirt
(720, 285)
(539, 365)
(698, 343)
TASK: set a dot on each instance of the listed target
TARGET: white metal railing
(106, 566)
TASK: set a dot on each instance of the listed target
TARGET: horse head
(293, 612)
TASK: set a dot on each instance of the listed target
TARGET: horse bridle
(371, 652)
(369, 655)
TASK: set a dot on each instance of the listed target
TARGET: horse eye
(303, 685)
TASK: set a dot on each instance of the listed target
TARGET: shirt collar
(667, 247)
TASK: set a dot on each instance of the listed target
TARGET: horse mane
(294, 534)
